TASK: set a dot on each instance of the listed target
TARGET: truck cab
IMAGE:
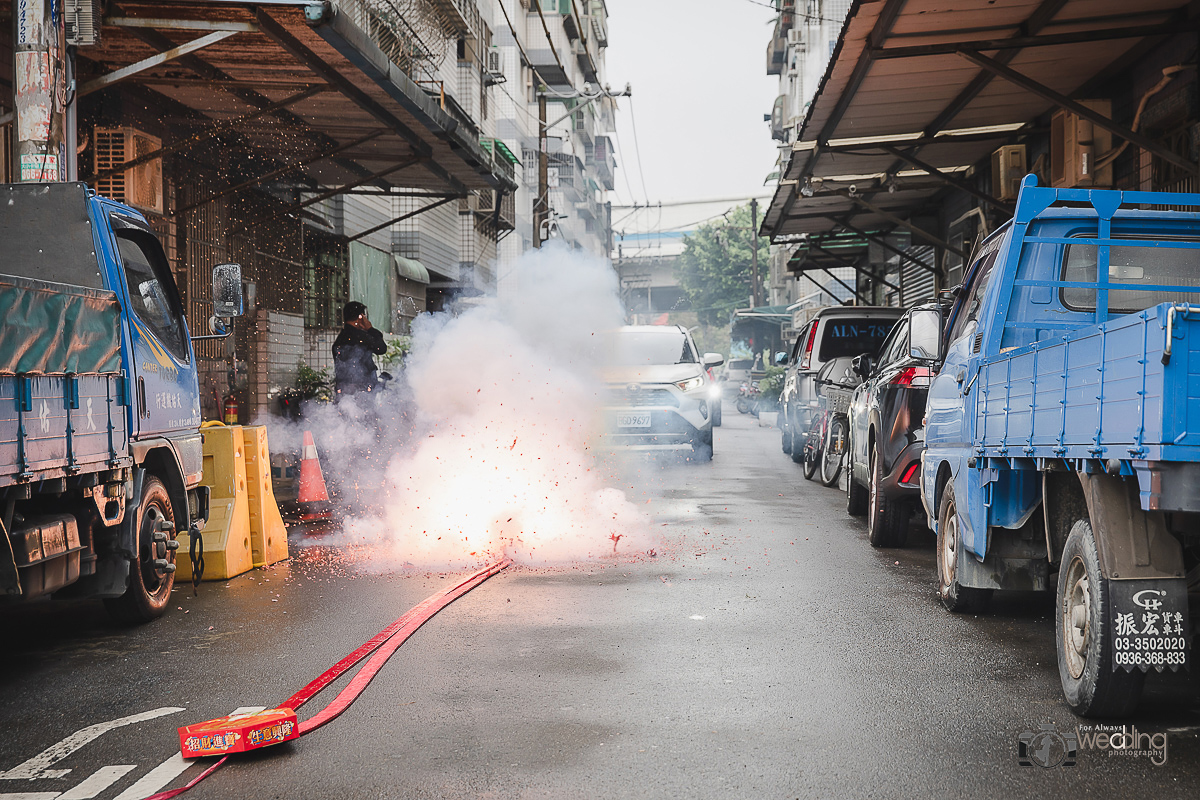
(92, 301)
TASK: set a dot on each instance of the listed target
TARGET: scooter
(747, 400)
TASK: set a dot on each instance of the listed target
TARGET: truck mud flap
(1149, 624)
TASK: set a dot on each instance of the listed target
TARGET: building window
(326, 280)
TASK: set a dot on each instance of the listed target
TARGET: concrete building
(556, 47)
(803, 38)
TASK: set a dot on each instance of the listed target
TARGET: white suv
(658, 391)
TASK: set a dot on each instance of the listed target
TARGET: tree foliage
(714, 268)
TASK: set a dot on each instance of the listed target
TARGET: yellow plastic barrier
(268, 536)
(227, 550)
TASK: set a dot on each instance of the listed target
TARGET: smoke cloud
(485, 447)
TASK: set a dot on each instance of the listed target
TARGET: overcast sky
(700, 89)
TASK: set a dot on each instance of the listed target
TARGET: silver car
(659, 391)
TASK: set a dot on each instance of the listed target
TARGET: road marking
(100, 780)
(154, 780)
(29, 796)
(35, 767)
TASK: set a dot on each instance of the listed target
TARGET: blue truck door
(950, 416)
(163, 379)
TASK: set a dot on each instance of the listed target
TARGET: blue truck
(1062, 441)
(100, 444)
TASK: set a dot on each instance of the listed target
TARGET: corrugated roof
(906, 80)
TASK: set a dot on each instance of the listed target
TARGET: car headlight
(690, 383)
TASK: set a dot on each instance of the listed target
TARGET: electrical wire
(638, 150)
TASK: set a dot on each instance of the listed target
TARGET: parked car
(835, 332)
(736, 372)
(887, 437)
(659, 391)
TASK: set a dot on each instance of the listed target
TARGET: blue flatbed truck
(1062, 441)
(100, 447)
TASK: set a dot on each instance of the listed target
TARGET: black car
(887, 437)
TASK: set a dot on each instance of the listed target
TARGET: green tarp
(371, 283)
(53, 328)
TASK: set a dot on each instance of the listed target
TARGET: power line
(638, 150)
(701, 202)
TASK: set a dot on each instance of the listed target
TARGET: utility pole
(541, 202)
(39, 91)
(755, 286)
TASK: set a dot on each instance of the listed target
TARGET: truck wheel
(1091, 686)
(856, 496)
(955, 597)
(150, 582)
(887, 520)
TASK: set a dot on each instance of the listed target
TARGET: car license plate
(633, 420)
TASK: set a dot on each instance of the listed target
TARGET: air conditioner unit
(1008, 168)
(140, 186)
(795, 36)
(494, 62)
(82, 20)
(1075, 144)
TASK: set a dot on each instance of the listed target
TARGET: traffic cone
(312, 495)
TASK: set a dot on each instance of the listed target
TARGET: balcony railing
(415, 35)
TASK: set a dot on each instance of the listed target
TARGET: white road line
(100, 780)
(36, 767)
(157, 778)
(29, 796)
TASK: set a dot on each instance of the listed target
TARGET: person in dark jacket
(354, 370)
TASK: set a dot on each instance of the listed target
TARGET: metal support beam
(339, 190)
(320, 67)
(903, 223)
(181, 24)
(275, 173)
(1021, 42)
(962, 186)
(153, 61)
(855, 267)
(208, 133)
(1062, 101)
(846, 286)
(247, 95)
(401, 218)
(886, 245)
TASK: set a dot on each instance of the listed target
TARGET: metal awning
(301, 91)
(411, 269)
(918, 91)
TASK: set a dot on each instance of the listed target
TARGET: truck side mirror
(925, 334)
(227, 291)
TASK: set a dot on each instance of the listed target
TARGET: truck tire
(887, 520)
(1090, 685)
(150, 585)
(856, 496)
(955, 597)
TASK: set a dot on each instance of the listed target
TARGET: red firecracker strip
(235, 734)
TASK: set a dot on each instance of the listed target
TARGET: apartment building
(555, 48)
(802, 41)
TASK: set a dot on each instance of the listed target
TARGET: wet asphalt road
(765, 652)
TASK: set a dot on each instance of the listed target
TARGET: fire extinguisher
(231, 410)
